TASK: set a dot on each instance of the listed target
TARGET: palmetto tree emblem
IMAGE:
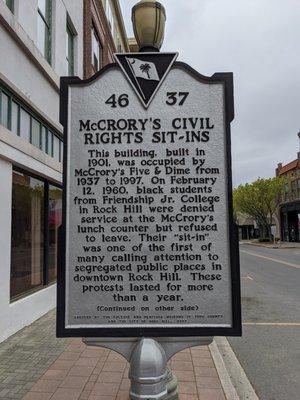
(145, 68)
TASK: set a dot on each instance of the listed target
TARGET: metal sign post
(150, 377)
(149, 250)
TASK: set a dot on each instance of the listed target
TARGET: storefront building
(289, 210)
(40, 40)
(247, 227)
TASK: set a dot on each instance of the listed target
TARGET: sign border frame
(226, 78)
(118, 62)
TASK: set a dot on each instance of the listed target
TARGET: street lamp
(148, 19)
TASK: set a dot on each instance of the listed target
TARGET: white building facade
(40, 40)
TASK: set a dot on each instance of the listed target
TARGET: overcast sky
(259, 41)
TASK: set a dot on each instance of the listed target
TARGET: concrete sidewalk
(34, 365)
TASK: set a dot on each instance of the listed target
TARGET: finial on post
(148, 371)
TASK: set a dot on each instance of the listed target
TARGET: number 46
(121, 101)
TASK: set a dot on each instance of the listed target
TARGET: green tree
(260, 200)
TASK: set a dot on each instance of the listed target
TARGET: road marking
(248, 277)
(273, 323)
(271, 259)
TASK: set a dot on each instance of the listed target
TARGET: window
(4, 110)
(35, 132)
(61, 151)
(54, 222)
(27, 243)
(109, 15)
(10, 4)
(25, 125)
(22, 122)
(43, 143)
(34, 243)
(50, 144)
(296, 189)
(70, 51)
(44, 28)
(96, 51)
(15, 109)
(56, 149)
(286, 191)
(119, 45)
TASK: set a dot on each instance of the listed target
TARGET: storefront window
(34, 246)
(54, 222)
(285, 226)
(290, 222)
(27, 245)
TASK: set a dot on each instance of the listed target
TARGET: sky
(259, 41)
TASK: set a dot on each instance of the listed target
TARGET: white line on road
(271, 259)
(248, 277)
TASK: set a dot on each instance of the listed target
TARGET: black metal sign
(149, 246)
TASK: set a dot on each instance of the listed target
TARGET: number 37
(177, 97)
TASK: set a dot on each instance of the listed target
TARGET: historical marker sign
(149, 246)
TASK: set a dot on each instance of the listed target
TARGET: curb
(228, 388)
(271, 246)
(234, 380)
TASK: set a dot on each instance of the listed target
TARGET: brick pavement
(27, 355)
(37, 366)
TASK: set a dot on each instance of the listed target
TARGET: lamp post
(148, 19)
(149, 375)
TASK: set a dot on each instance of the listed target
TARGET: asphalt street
(269, 350)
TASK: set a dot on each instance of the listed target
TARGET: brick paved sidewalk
(37, 366)
(27, 355)
(92, 373)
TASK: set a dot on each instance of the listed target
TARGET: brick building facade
(289, 210)
(103, 33)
